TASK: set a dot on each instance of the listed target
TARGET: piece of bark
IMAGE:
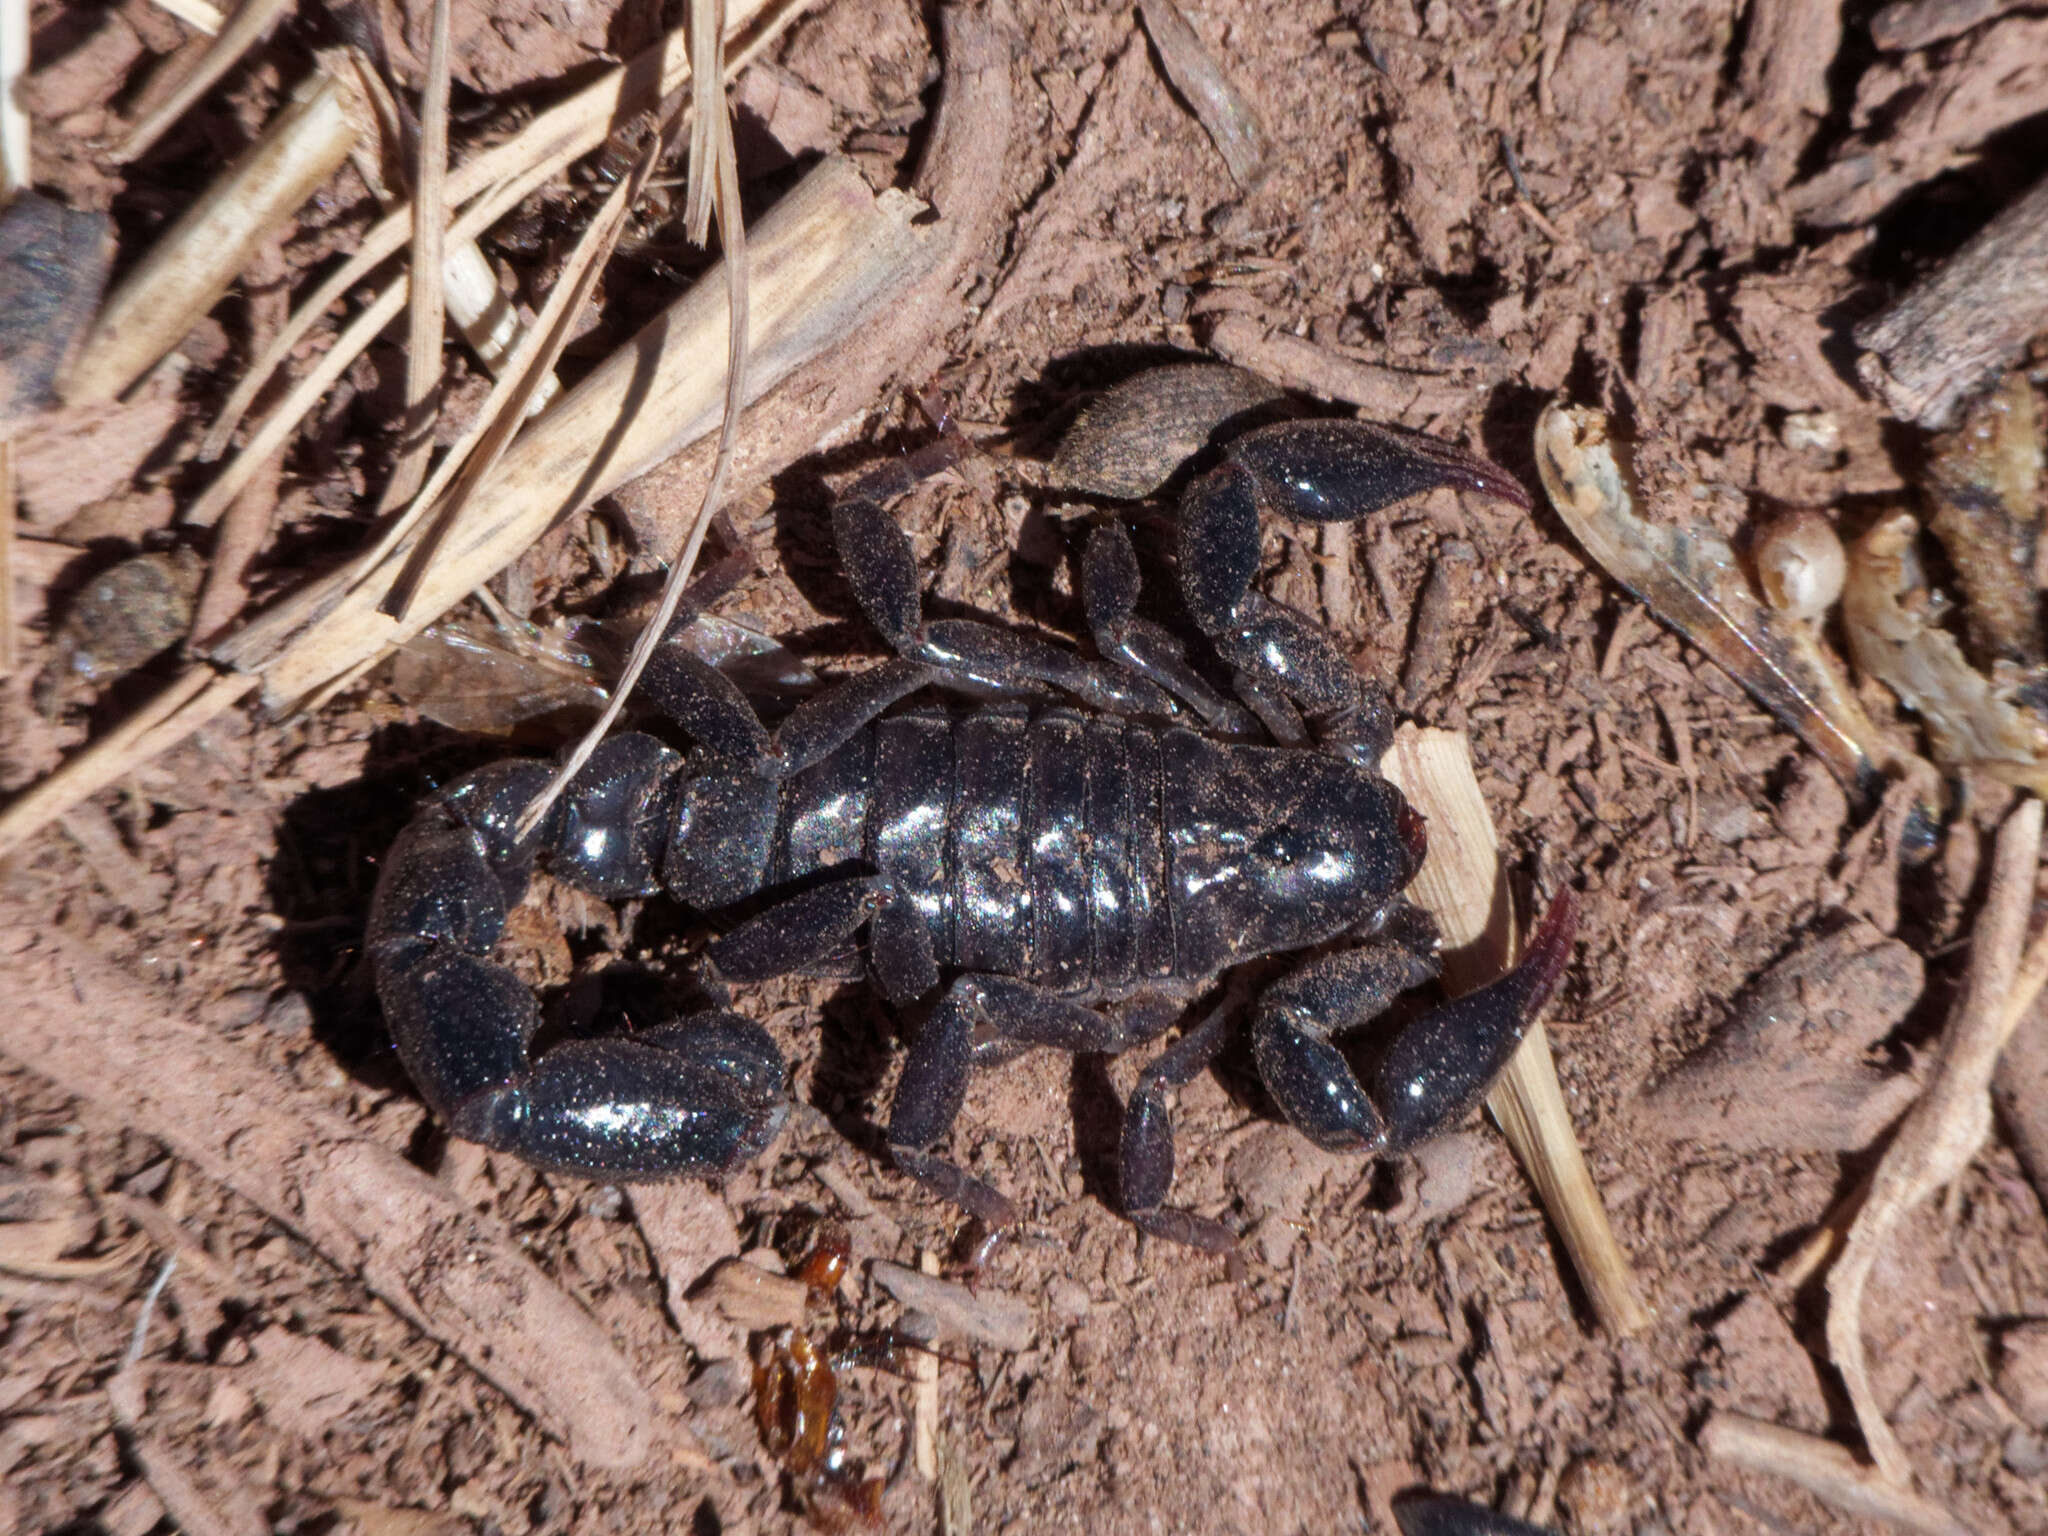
(1921, 121)
(1956, 330)
(53, 265)
(750, 1298)
(1785, 75)
(1909, 24)
(979, 1316)
(2019, 1090)
(1790, 1070)
(454, 1273)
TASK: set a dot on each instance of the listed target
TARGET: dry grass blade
(1951, 1120)
(829, 262)
(277, 428)
(242, 32)
(553, 139)
(194, 697)
(532, 363)
(426, 312)
(714, 163)
(14, 177)
(193, 263)
(199, 15)
(1461, 886)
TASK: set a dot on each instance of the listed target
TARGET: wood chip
(979, 1316)
(1233, 127)
(750, 1298)
(1957, 329)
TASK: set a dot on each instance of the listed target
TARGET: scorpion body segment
(1068, 869)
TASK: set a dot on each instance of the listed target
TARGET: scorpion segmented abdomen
(1055, 833)
(911, 820)
(992, 901)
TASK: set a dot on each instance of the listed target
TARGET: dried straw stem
(553, 139)
(244, 29)
(425, 312)
(1462, 886)
(192, 263)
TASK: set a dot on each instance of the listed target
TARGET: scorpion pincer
(1068, 868)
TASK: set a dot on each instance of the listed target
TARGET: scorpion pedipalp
(1311, 471)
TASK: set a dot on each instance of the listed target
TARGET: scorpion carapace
(1068, 868)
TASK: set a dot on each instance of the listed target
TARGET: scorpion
(1070, 861)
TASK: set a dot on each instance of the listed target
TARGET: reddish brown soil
(1667, 261)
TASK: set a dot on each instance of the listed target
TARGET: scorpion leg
(883, 572)
(1109, 591)
(811, 925)
(1437, 1069)
(936, 1073)
(1316, 471)
(1145, 1159)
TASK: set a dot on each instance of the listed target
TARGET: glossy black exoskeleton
(1072, 874)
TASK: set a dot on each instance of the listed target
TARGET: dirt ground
(1672, 210)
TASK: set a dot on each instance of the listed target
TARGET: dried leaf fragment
(1891, 622)
(1689, 577)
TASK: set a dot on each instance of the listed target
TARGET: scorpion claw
(1439, 1069)
(639, 1107)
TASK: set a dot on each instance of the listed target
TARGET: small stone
(288, 1014)
(1069, 1298)
(719, 1385)
(605, 1202)
(1595, 1497)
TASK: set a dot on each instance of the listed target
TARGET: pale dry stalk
(1825, 1470)
(553, 139)
(425, 311)
(1463, 887)
(714, 184)
(193, 262)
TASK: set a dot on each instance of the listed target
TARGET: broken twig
(1943, 1131)
(1952, 333)
(1826, 1471)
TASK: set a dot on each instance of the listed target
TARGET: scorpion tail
(691, 1098)
(1441, 1067)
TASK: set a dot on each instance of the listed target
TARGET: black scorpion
(1071, 874)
